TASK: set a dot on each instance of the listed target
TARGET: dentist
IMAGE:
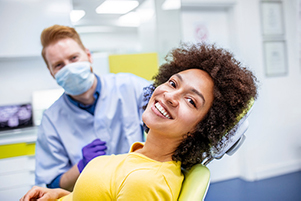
(97, 115)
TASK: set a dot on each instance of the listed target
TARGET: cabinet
(17, 163)
(16, 177)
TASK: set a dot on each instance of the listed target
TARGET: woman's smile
(160, 110)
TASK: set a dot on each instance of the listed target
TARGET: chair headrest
(230, 144)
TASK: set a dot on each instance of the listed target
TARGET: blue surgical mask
(76, 78)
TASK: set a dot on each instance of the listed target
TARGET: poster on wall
(272, 20)
(201, 32)
(207, 25)
(275, 58)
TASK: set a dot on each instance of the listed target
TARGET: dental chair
(197, 179)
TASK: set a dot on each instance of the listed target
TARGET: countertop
(27, 135)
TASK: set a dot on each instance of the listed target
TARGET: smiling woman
(196, 98)
(234, 86)
(180, 103)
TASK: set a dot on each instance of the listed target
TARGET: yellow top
(131, 176)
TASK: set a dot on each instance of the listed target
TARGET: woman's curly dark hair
(234, 86)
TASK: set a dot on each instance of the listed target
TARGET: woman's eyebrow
(198, 93)
(179, 76)
(192, 89)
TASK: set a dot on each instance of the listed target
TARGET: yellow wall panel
(14, 150)
(143, 65)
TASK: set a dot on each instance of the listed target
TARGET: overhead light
(116, 6)
(171, 5)
(76, 15)
(131, 19)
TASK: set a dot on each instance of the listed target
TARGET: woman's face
(178, 105)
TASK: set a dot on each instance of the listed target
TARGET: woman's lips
(160, 110)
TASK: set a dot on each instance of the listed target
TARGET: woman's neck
(158, 147)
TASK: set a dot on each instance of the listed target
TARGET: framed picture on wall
(272, 18)
(275, 58)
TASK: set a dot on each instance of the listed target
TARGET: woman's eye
(172, 83)
(191, 102)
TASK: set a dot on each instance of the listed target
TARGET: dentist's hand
(90, 151)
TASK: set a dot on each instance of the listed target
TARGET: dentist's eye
(172, 83)
(74, 58)
(191, 102)
(58, 65)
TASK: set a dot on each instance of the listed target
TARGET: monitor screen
(15, 116)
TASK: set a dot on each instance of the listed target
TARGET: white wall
(22, 69)
(22, 21)
(112, 42)
(168, 29)
(273, 144)
(148, 27)
(162, 31)
(19, 77)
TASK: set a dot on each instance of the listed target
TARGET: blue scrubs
(66, 128)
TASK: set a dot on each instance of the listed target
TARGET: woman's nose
(172, 98)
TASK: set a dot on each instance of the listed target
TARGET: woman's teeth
(162, 110)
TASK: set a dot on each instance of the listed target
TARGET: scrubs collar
(88, 108)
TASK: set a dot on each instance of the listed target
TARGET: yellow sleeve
(144, 185)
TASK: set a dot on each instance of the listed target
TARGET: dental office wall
(22, 69)
(273, 144)
(274, 137)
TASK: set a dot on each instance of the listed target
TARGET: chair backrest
(195, 184)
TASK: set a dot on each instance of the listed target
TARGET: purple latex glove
(90, 151)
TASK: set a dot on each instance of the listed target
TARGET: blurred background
(264, 35)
